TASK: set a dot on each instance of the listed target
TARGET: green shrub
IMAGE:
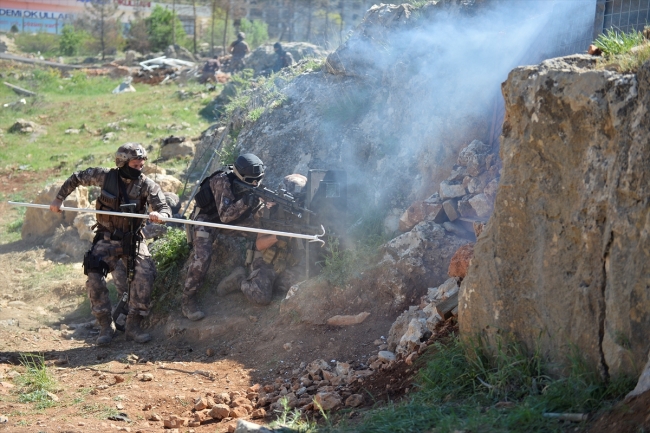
(169, 253)
(256, 32)
(159, 28)
(45, 43)
(70, 40)
(36, 382)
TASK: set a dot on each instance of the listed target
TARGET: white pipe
(311, 238)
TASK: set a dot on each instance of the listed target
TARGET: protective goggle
(253, 180)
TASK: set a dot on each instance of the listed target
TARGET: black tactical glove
(252, 201)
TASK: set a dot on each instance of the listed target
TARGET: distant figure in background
(238, 49)
(210, 69)
(284, 58)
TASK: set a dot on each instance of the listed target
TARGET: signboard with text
(29, 21)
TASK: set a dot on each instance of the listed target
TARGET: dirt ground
(237, 345)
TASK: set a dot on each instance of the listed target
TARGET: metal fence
(621, 15)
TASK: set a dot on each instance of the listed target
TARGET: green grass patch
(86, 104)
(36, 382)
(613, 42)
(461, 387)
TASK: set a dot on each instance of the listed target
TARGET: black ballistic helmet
(249, 169)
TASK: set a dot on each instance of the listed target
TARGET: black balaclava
(129, 172)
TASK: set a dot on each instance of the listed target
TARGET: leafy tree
(159, 28)
(102, 22)
(69, 41)
(256, 32)
(138, 35)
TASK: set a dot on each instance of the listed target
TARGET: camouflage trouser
(258, 287)
(237, 64)
(140, 294)
(200, 257)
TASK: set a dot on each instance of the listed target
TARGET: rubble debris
(21, 101)
(20, 90)
(125, 86)
(23, 126)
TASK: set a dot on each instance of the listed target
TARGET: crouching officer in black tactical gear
(217, 203)
(124, 185)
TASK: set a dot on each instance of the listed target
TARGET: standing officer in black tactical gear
(122, 185)
(217, 203)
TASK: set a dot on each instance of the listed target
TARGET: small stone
(354, 400)
(448, 190)
(154, 417)
(411, 358)
(52, 397)
(146, 377)
(219, 411)
(287, 347)
(119, 406)
(386, 356)
(210, 352)
(347, 320)
(200, 403)
(327, 400)
(118, 379)
(238, 412)
(258, 413)
(254, 388)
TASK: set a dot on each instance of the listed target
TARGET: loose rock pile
(466, 195)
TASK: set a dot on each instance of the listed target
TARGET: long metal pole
(311, 238)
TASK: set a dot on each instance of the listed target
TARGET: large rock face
(565, 258)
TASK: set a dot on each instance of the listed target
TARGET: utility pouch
(269, 255)
(93, 263)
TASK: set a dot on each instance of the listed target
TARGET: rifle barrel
(311, 238)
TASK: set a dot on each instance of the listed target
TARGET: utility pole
(225, 27)
(173, 22)
(195, 29)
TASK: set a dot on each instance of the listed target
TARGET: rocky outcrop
(564, 261)
(43, 223)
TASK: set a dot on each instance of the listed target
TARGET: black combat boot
(106, 332)
(133, 330)
(232, 283)
(190, 307)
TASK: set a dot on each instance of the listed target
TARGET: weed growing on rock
(292, 420)
(464, 387)
(36, 383)
(612, 42)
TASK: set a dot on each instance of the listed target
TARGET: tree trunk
(195, 29)
(327, 24)
(173, 22)
(214, 13)
(310, 4)
(225, 28)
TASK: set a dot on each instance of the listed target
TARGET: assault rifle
(130, 246)
(282, 199)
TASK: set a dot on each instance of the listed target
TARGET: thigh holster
(94, 264)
